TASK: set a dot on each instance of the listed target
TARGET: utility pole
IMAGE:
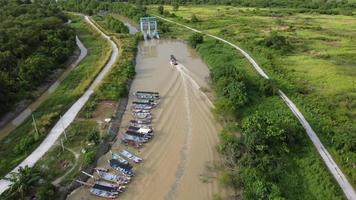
(64, 130)
(36, 130)
(62, 144)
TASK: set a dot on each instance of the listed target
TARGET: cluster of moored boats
(139, 131)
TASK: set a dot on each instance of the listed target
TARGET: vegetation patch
(25, 138)
(35, 42)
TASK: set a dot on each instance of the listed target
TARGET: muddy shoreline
(104, 147)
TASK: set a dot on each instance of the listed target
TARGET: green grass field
(318, 74)
(23, 140)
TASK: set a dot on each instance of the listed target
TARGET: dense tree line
(34, 41)
(91, 7)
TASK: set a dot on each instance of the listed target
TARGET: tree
(23, 181)
(235, 91)
(160, 9)
(195, 39)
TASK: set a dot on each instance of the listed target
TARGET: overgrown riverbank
(86, 139)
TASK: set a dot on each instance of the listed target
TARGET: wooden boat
(141, 121)
(142, 115)
(154, 94)
(117, 157)
(144, 136)
(101, 190)
(141, 125)
(146, 96)
(141, 130)
(130, 156)
(141, 107)
(103, 193)
(113, 177)
(121, 167)
(140, 111)
(146, 101)
(117, 187)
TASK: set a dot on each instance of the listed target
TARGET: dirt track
(177, 160)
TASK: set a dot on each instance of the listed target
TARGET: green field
(315, 71)
(23, 140)
(318, 73)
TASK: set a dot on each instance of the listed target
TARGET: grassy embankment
(315, 74)
(85, 132)
(23, 140)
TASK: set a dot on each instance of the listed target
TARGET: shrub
(194, 19)
(278, 42)
(89, 156)
(195, 39)
(160, 9)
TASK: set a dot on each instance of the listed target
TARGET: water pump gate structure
(148, 26)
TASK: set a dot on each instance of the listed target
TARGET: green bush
(89, 156)
(195, 39)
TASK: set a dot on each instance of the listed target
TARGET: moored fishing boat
(141, 121)
(103, 193)
(116, 156)
(130, 156)
(121, 167)
(113, 177)
(142, 115)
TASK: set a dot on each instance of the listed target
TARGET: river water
(186, 134)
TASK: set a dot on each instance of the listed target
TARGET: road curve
(68, 117)
(328, 160)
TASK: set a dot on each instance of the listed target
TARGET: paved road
(328, 160)
(68, 117)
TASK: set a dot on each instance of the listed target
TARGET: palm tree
(23, 180)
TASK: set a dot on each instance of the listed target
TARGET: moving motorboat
(173, 60)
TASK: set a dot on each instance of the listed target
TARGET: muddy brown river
(177, 160)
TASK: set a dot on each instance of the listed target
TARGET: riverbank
(107, 102)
